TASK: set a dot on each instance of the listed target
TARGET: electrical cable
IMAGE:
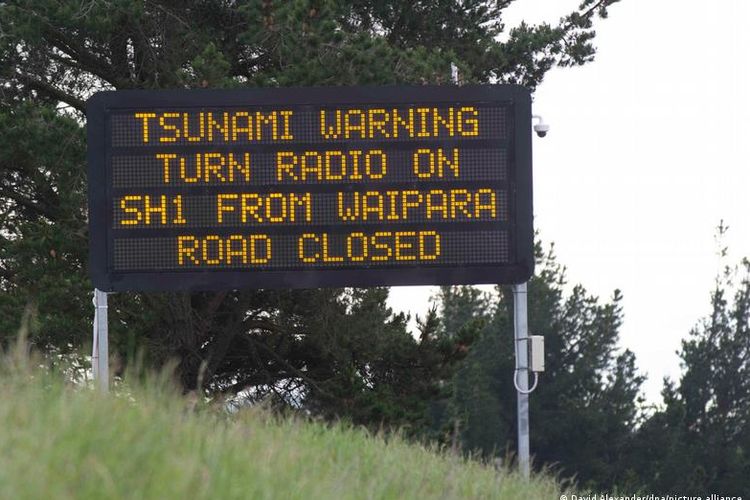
(518, 369)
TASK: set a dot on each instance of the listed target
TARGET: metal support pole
(100, 349)
(95, 343)
(521, 334)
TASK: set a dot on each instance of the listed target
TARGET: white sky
(647, 153)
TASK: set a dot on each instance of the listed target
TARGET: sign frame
(519, 197)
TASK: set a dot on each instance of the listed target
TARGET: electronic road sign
(310, 187)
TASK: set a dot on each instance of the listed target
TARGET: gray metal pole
(94, 343)
(521, 334)
(100, 354)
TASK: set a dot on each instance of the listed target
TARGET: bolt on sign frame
(310, 187)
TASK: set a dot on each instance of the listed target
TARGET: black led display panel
(310, 187)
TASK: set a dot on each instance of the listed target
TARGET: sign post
(521, 374)
(194, 190)
(100, 345)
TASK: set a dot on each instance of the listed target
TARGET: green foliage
(63, 51)
(340, 353)
(587, 401)
(345, 354)
(146, 442)
(43, 241)
(587, 417)
(700, 439)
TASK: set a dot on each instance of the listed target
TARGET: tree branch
(7, 274)
(25, 202)
(593, 8)
(296, 371)
(85, 58)
(52, 91)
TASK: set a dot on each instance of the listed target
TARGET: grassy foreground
(61, 442)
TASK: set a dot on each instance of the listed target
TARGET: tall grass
(62, 441)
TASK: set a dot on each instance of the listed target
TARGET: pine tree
(700, 439)
(337, 348)
(587, 401)
(43, 238)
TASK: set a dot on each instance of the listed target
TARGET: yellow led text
(435, 204)
(204, 167)
(139, 210)
(209, 126)
(232, 208)
(381, 246)
(331, 165)
(381, 123)
(216, 250)
(427, 163)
